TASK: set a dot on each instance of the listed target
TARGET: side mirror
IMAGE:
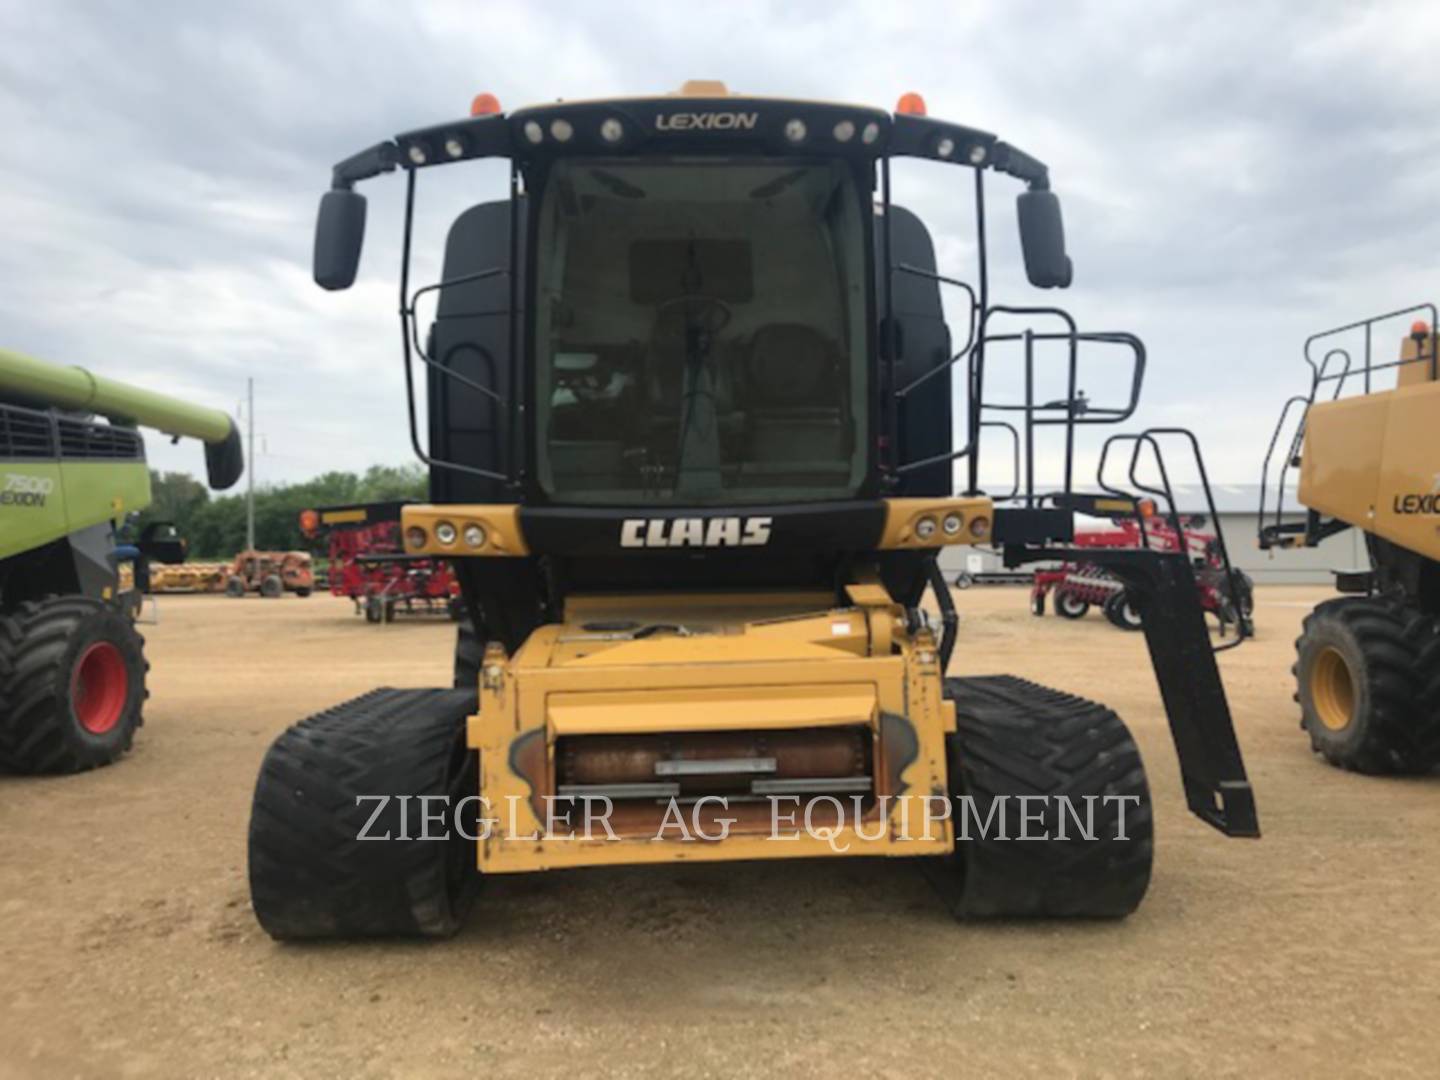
(161, 541)
(1042, 239)
(339, 235)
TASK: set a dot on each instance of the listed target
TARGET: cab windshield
(700, 332)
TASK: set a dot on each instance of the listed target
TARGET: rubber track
(310, 874)
(1017, 738)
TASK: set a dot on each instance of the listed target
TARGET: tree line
(214, 525)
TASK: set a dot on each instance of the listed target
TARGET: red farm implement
(368, 563)
(1078, 586)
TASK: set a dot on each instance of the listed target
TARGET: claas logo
(695, 532)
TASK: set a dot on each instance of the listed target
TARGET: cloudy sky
(1234, 175)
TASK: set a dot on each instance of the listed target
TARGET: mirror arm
(378, 159)
(1017, 163)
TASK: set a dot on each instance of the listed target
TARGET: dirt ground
(127, 945)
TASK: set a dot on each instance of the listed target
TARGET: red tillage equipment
(1077, 586)
(368, 563)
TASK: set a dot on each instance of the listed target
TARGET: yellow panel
(501, 523)
(717, 709)
(1409, 500)
(342, 517)
(1340, 462)
(703, 649)
(903, 517)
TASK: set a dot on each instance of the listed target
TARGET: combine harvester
(689, 399)
(1225, 592)
(370, 567)
(72, 667)
(1367, 672)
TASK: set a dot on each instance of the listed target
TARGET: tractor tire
(311, 873)
(302, 592)
(1017, 741)
(374, 609)
(1122, 613)
(469, 654)
(1037, 603)
(72, 685)
(1367, 676)
(272, 588)
(389, 612)
(964, 580)
(1070, 606)
(235, 588)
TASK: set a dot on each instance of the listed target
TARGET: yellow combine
(1368, 669)
(691, 417)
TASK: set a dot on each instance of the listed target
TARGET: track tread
(1018, 738)
(310, 874)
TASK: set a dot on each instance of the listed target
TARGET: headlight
(951, 524)
(445, 533)
(415, 536)
(474, 536)
(925, 528)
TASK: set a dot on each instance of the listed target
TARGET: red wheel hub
(99, 687)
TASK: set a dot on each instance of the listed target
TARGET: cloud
(1234, 177)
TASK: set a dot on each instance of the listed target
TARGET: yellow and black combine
(1364, 442)
(687, 410)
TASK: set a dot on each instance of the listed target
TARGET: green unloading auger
(45, 385)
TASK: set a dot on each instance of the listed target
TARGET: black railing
(1276, 530)
(1150, 438)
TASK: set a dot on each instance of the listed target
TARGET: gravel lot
(127, 946)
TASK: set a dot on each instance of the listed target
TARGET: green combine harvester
(72, 469)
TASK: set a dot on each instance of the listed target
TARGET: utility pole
(250, 472)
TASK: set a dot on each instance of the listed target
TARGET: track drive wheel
(235, 587)
(1069, 605)
(1026, 746)
(1122, 613)
(72, 685)
(311, 874)
(1368, 681)
(469, 652)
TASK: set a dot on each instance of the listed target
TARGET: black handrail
(1150, 437)
(1320, 375)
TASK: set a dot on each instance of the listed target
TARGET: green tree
(215, 525)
